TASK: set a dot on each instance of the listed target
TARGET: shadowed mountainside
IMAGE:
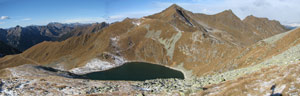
(7, 50)
(23, 38)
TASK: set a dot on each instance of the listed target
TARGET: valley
(174, 52)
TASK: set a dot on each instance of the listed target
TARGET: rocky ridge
(163, 38)
(211, 44)
(23, 38)
(204, 85)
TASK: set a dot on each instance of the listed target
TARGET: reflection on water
(135, 71)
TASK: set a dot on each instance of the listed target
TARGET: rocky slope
(208, 49)
(79, 30)
(263, 26)
(163, 38)
(23, 38)
(274, 80)
(279, 71)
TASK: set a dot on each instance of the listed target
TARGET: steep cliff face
(196, 44)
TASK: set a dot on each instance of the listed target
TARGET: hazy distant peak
(55, 24)
(18, 26)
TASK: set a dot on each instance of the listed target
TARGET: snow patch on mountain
(93, 66)
(19, 73)
(96, 64)
(137, 22)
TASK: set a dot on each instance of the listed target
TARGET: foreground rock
(284, 76)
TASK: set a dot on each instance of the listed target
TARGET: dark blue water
(135, 71)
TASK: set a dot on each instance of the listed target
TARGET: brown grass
(77, 51)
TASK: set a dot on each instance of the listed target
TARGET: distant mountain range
(290, 27)
(211, 51)
(163, 38)
(23, 38)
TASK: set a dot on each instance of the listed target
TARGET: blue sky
(41, 12)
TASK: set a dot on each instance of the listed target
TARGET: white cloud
(85, 20)
(136, 14)
(294, 24)
(26, 19)
(4, 17)
(206, 11)
(115, 18)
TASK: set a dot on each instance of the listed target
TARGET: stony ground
(63, 86)
(252, 83)
(280, 71)
(157, 36)
(283, 81)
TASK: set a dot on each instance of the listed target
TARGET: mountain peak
(174, 7)
(18, 27)
(169, 12)
(251, 17)
(227, 12)
(55, 24)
